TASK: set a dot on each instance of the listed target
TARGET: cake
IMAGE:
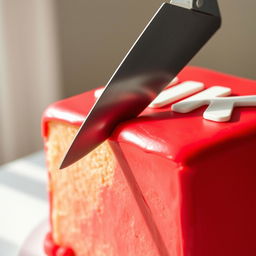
(165, 183)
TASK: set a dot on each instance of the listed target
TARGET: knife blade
(177, 31)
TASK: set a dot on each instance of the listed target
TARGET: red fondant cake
(165, 183)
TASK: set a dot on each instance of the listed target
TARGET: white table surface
(23, 201)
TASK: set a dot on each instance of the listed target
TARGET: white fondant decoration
(98, 92)
(174, 81)
(219, 108)
(200, 99)
(175, 93)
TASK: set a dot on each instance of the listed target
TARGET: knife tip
(70, 157)
(66, 161)
(62, 166)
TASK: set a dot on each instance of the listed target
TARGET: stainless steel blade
(172, 37)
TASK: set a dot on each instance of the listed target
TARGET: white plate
(33, 245)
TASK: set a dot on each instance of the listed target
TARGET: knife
(177, 31)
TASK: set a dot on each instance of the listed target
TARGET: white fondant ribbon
(220, 108)
(176, 93)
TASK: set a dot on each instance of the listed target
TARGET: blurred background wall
(57, 48)
(95, 35)
(29, 73)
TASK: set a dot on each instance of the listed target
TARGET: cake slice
(165, 183)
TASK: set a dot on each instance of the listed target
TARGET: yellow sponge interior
(75, 191)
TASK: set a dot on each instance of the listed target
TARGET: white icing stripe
(98, 93)
(220, 109)
(175, 93)
(200, 99)
(173, 82)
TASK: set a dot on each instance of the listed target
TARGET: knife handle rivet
(199, 3)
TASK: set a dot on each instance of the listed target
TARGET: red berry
(62, 251)
(50, 248)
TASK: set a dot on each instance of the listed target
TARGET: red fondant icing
(192, 180)
(65, 252)
(142, 204)
(52, 249)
